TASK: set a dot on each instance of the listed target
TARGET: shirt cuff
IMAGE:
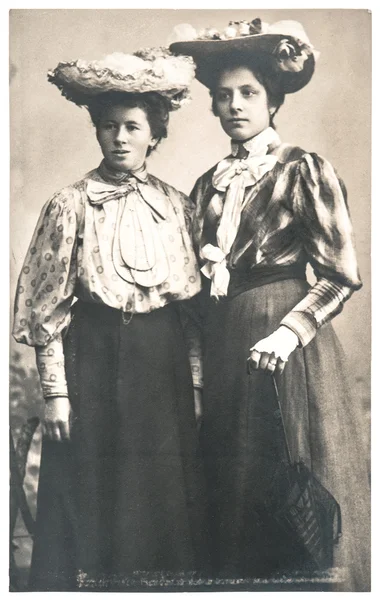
(196, 371)
(51, 367)
(302, 325)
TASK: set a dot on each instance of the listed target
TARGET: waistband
(108, 314)
(242, 281)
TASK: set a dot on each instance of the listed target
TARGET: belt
(242, 281)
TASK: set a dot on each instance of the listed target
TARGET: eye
(132, 128)
(222, 96)
(109, 126)
(248, 93)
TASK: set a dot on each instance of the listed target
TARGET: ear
(153, 143)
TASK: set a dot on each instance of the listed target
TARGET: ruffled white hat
(147, 70)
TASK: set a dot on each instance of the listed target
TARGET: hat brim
(168, 76)
(206, 52)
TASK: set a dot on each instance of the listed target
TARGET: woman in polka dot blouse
(104, 296)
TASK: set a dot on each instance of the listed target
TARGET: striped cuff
(302, 325)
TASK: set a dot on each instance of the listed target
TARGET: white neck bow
(232, 176)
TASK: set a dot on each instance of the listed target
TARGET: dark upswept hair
(155, 106)
(261, 65)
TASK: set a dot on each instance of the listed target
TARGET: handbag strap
(278, 413)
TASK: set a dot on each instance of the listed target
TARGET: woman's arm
(191, 324)
(190, 315)
(320, 204)
(43, 299)
(50, 362)
(46, 284)
(323, 222)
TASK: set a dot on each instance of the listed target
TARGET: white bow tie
(244, 172)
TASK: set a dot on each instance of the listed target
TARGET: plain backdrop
(53, 142)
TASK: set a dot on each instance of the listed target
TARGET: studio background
(53, 142)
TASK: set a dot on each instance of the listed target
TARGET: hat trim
(292, 80)
(81, 81)
(292, 55)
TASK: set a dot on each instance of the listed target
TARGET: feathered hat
(147, 70)
(285, 46)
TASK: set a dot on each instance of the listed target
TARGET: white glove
(271, 353)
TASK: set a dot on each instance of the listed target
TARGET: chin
(240, 135)
(119, 166)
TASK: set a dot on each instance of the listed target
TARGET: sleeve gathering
(46, 284)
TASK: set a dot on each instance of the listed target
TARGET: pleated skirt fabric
(243, 445)
(123, 501)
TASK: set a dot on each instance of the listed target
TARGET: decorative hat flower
(243, 28)
(291, 57)
(255, 27)
(230, 32)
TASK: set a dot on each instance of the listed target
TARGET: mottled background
(53, 142)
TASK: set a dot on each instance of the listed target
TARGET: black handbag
(304, 510)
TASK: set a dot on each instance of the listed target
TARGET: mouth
(237, 121)
(120, 152)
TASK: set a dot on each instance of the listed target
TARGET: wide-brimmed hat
(147, 70)
(284, 45)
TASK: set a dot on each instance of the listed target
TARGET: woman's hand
(271, 353)
(198, 406)
(56, 423)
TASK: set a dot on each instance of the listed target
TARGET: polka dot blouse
(84, 249)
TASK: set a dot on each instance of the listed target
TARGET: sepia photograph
(190, 300)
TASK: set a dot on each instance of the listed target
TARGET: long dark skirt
(122, 501)
(243, 444)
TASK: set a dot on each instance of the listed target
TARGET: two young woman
(261, 215)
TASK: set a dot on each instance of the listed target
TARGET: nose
(235, 103)
(121, 135)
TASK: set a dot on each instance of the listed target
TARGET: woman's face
(124, 136)
(241, 104)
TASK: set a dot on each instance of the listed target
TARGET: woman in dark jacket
(262, 215)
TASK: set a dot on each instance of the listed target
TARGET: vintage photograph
(190, 297)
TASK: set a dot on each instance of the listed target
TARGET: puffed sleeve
(45, 289)
(323, 222)
(46, 284)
